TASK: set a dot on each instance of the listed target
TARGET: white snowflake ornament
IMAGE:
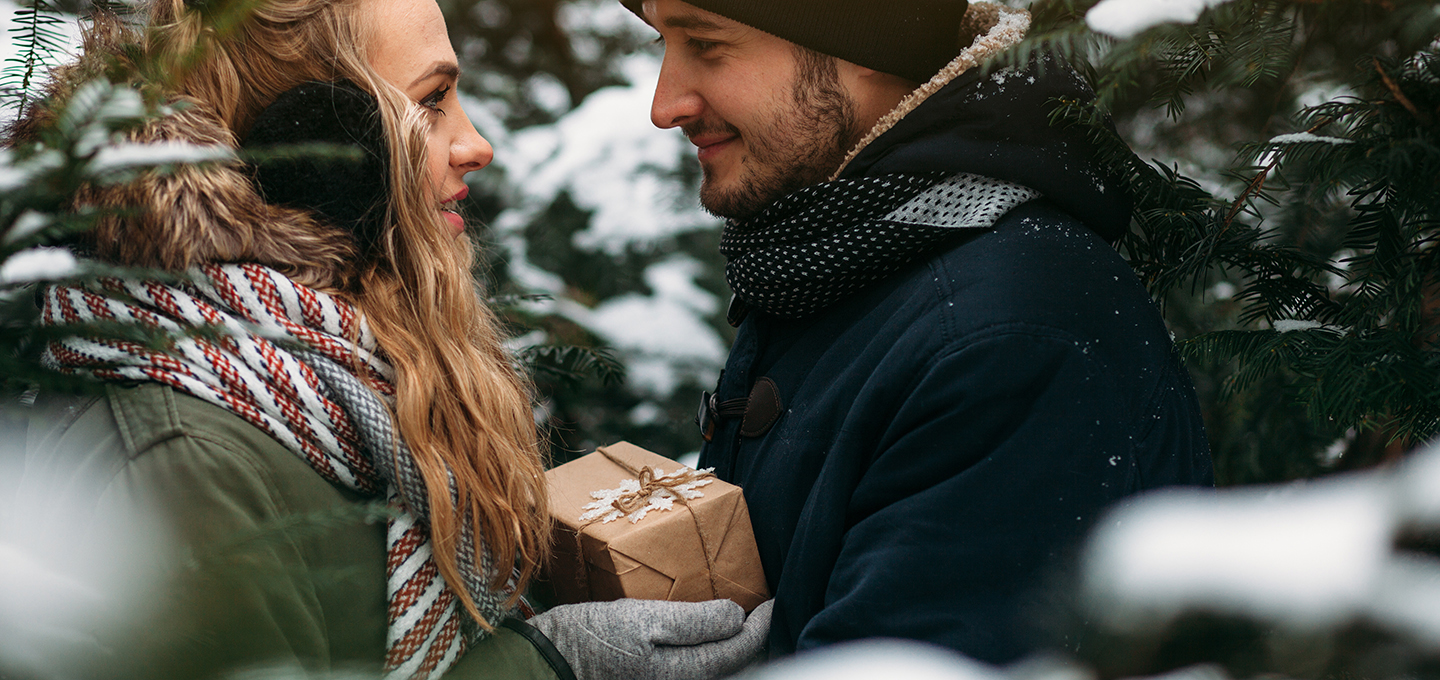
(660, 495)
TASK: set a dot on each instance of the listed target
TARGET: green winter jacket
(267, 564)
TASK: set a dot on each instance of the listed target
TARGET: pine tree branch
(1258, 182)
(37, 39)
(1421, 116)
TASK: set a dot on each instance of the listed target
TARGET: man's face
(768, 118)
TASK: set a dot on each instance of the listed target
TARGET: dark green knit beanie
(912, 39)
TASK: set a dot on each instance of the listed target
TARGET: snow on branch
(1125, 19)
(1306, 137)
(37, 264)
(132, 155)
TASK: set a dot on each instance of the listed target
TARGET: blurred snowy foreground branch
(1328, 578)
(71, 570)
(1324, 579)
(1311, 556)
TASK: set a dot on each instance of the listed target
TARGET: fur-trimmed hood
(178, 219)
(996, 124)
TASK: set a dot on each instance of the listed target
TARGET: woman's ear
(321, 147)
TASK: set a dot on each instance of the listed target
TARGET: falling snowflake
(661, 498)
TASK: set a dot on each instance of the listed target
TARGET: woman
(355, 363)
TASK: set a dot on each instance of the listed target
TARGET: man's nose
(676, 99)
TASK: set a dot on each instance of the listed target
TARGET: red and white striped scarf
(247, 369)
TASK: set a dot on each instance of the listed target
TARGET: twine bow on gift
(631, 503)
(677, 486)
(651, 490)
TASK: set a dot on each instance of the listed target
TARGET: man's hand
(656, 640)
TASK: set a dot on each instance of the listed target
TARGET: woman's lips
(457, 223)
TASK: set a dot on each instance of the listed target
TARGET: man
(943, 372)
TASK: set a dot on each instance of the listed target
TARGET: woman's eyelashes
(435, 99)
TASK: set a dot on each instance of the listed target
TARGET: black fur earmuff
(346, 191)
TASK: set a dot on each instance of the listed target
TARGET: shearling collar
(996, 28)
(998, 124)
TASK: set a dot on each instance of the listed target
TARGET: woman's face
(412, 51)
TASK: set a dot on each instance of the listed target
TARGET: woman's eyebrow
(445, 68)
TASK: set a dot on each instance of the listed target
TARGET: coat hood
(181, 218)
(997, 124)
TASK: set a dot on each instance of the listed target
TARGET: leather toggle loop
(762, 409)
(711, 411)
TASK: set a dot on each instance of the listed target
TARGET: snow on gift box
(649, 528)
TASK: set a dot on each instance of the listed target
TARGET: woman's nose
(470, 151)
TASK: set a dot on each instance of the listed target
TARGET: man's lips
(710, 145)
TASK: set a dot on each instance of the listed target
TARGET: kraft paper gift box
(656, 551)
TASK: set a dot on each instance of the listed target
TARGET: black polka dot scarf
(818, 245)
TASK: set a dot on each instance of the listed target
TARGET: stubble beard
(803, 144)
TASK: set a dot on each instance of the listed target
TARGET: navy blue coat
(948, 435)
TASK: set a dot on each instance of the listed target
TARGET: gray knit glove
(656, 640)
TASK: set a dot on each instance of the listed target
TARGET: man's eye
(701, 46)
(435, 98)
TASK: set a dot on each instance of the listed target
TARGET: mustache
(706, 127)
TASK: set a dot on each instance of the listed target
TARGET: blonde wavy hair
(460, 405)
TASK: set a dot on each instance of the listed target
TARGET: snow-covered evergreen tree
(1290, 220)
